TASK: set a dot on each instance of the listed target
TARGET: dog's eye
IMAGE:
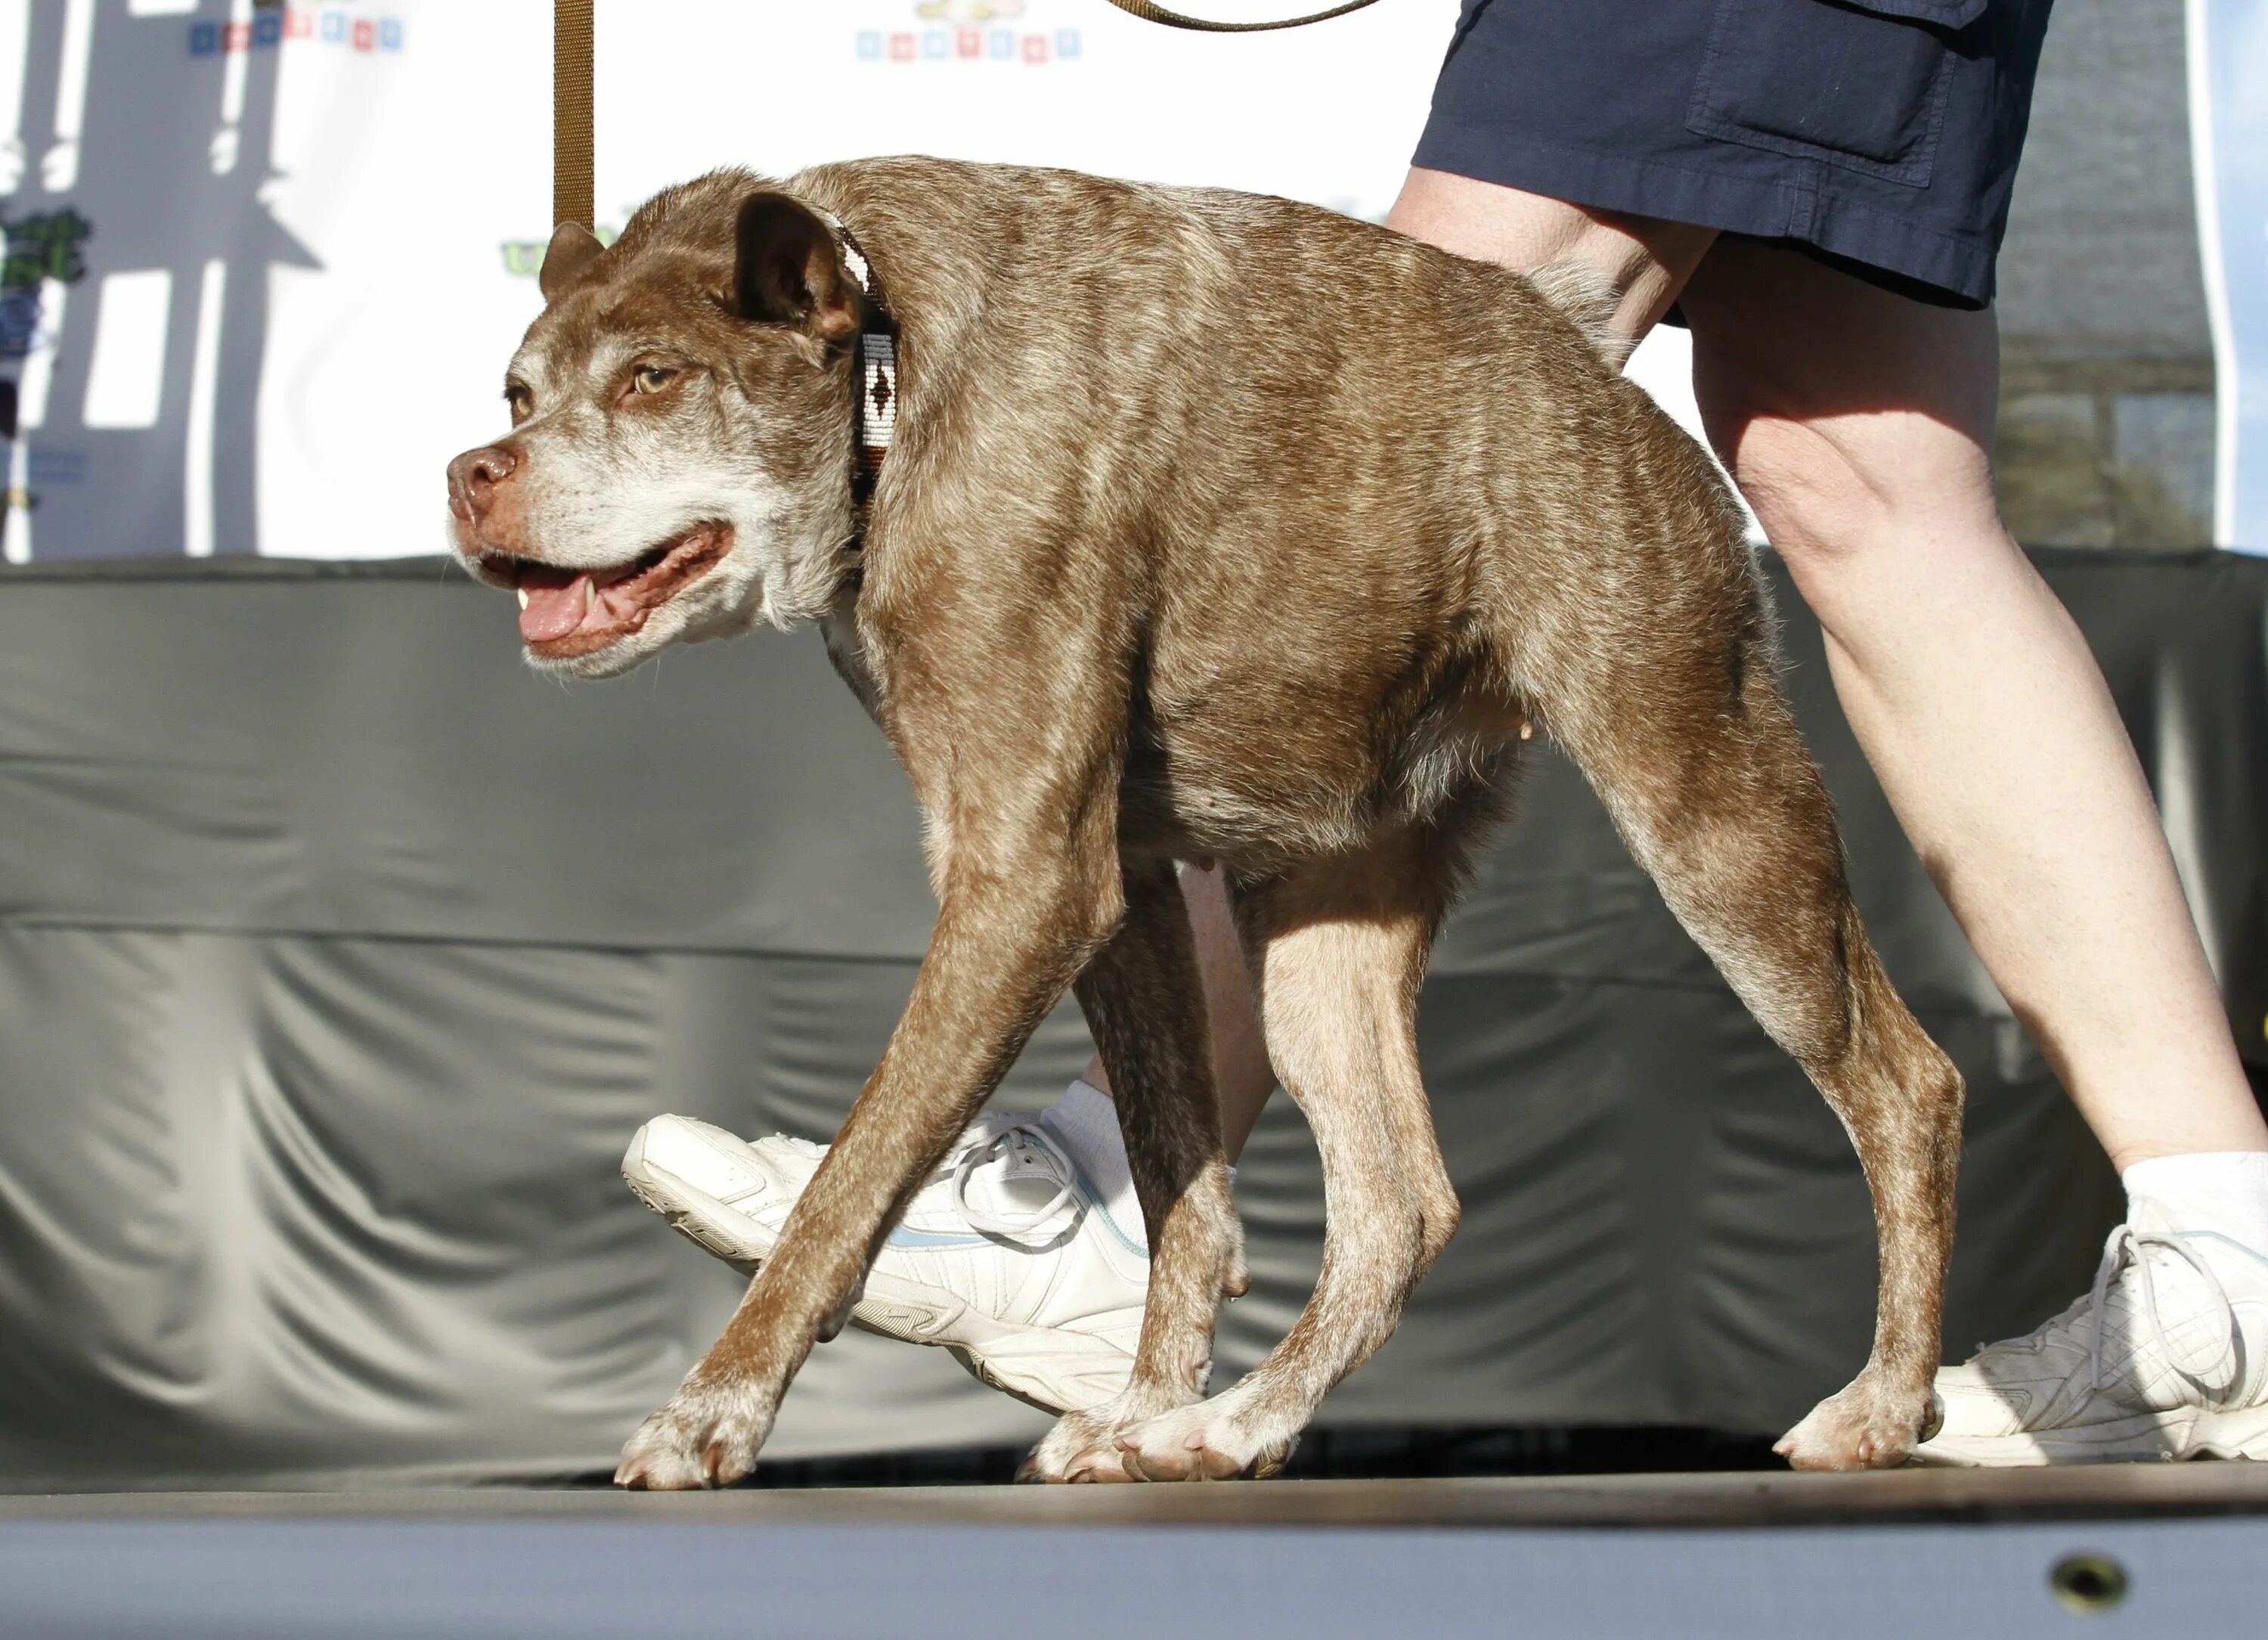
(652, 379)
(520, 401)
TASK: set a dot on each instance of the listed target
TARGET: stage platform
(2142, 1550)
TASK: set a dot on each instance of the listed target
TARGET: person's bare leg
(1240, 1071)
(1648, 260)
(1858, 426)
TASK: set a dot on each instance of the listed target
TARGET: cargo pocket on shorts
(1859, 84)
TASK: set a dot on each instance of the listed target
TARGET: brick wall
(2106, 394)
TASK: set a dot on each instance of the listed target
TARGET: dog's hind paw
(1214, 1440)
(1864, 1426)
(706, 1437)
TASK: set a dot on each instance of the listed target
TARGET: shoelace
(2127, 1239)
(1014, 1228)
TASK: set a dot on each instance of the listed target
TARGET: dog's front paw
(1214, 1440)
(706, 1437)
(1083, 1446)
(1866, 1425)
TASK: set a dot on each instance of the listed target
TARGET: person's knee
(1815, 497)
(1857, 424)
(1836, 494)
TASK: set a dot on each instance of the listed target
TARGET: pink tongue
(552, 611)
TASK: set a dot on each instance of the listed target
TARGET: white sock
(2213, 1190)
(1084, 1123)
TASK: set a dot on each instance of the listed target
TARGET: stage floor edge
(2128, 1550)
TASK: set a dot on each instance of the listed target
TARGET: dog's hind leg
(1146, 1010)
(1337, 952)
(1688, 741)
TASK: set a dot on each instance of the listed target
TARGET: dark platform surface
(1903, 1496)
(1894, 1556)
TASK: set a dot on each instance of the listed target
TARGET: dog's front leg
(1022, 912)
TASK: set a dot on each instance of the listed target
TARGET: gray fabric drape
(340, 956)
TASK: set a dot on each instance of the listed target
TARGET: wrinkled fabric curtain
(340, 956)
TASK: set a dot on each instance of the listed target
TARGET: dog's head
(679, 463)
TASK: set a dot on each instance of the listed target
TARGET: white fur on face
(605, 482)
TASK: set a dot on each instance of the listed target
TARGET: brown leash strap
(573, 192)
(1150, 13)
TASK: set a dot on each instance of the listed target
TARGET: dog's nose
(473, 476)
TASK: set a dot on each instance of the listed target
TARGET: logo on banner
(968, 30)
(33, 250)
(320, 24)
(524, 258)
(36, 250)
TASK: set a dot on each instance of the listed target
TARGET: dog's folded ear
(572, 250)
(788, 269)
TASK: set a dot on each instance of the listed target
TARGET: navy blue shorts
(1882, 135)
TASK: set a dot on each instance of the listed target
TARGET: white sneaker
(1007, 1257)
(2166, 1357)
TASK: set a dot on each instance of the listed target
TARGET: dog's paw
(1864, 1426)
(1083, 1446)
(706, 1437)
(1214, 1440)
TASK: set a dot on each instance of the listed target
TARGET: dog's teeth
(590, 598)
(522, 591)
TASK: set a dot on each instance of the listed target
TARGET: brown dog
(1215, 527)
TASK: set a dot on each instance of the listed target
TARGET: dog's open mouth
(568, 612)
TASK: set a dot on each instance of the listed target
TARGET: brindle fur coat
(1222, 528)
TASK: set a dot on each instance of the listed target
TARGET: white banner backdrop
(264, 264)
